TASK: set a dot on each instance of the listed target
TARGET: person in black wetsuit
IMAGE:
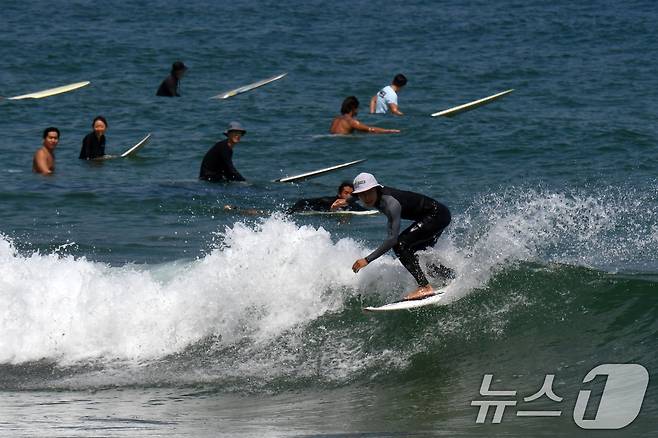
(342, 201)
(169, 86)
(430, 219)
(217, 164)
(93, 145)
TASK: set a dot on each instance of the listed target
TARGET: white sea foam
(264, 280)
(259, 282)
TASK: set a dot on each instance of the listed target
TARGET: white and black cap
(364, 182)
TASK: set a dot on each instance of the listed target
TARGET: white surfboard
(407, 304)
(318, 172)
(249, 87)
(471, 105)
(133, 150)
(340, 212)
(51, 91)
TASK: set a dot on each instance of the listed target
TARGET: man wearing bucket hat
(430, 219)
(217, 164)
(169, 86)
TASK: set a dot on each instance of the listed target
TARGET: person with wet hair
(171, 84)
(43, 161)
(343, 201)
(93, 145)
(347, 123)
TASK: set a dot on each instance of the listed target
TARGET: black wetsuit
(323, 204)
(430, 219)
(217, 164)
(168, 87)
(92, 147)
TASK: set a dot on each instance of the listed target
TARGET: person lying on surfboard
(386, 99)
(347, 123)
(44, 158)
(430, 219)
(342, 201)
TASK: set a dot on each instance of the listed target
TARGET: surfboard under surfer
(430, 219)
(347, 123)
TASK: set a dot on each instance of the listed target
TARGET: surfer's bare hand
(359, 264)
(338, 203)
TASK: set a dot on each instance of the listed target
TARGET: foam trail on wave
(612, 231)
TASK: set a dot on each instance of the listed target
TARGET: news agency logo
(620, 403)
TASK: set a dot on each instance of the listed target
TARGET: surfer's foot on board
(420, 293)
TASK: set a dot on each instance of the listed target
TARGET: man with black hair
(347, 123)
(43, 161)
(169, 86)
(342, 201)
(387, 98)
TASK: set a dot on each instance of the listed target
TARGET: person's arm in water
(355, 124)
(373, 104)
(41, 162)
(395, 109)
(393, 210)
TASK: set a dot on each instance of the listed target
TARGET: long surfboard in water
(51, 91)
(249, 87)
(471, 105)
(318, 172)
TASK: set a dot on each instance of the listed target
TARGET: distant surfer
(430, 219)
(343, 201)
(169, 86)
(386, 99)
(93, 145)
(217, 164)
(347, 123)
(43, 161)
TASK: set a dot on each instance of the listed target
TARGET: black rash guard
(168, 87)
(324, 204)
(217, 164)
(399, 204)
(92, 147)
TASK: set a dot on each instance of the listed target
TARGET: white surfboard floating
(51, 91)
(131, 152)
(340, 212)
(249, 87)
(471, 105)
(408, 304)
(318, 172)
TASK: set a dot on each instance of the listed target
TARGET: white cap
(364, 182)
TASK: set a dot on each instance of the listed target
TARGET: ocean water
(132, 303)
